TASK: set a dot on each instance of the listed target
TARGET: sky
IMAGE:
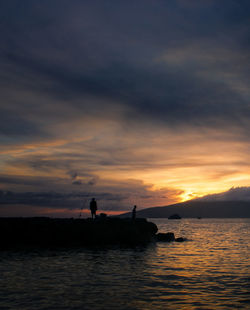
(132, 102)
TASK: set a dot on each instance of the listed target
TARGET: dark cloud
(89, 63)
(166, 93)
(117, 195)
(15, 128)
(46, 199)
(93, 181)
(20, 180)
(73, 174)
(70, 201)
(77, 182)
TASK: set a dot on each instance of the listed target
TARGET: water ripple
(211, 271)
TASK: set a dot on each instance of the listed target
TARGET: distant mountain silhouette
(198, 208)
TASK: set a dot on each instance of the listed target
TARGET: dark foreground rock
(180, 239)
(168, 237)
(48, 232)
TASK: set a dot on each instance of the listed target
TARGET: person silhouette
(134, 213)
(93, 208)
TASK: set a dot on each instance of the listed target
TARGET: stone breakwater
(49, 232)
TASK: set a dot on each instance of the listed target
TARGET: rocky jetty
(49, 232)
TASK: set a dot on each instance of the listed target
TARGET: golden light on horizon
(188, 195)
(176, 168)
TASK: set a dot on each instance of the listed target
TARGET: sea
(211, 270)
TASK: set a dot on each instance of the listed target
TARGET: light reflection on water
(209, 271)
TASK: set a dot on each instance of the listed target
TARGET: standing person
(134, 213)
(93, 207)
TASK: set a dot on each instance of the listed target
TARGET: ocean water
(209, 271)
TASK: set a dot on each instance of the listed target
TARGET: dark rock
(180, 239)
(174, 217)
(103, 216)
(47, 232)
(166, 237)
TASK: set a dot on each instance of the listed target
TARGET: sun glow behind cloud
(167, 167)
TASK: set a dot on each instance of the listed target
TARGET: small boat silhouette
(174, 217)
